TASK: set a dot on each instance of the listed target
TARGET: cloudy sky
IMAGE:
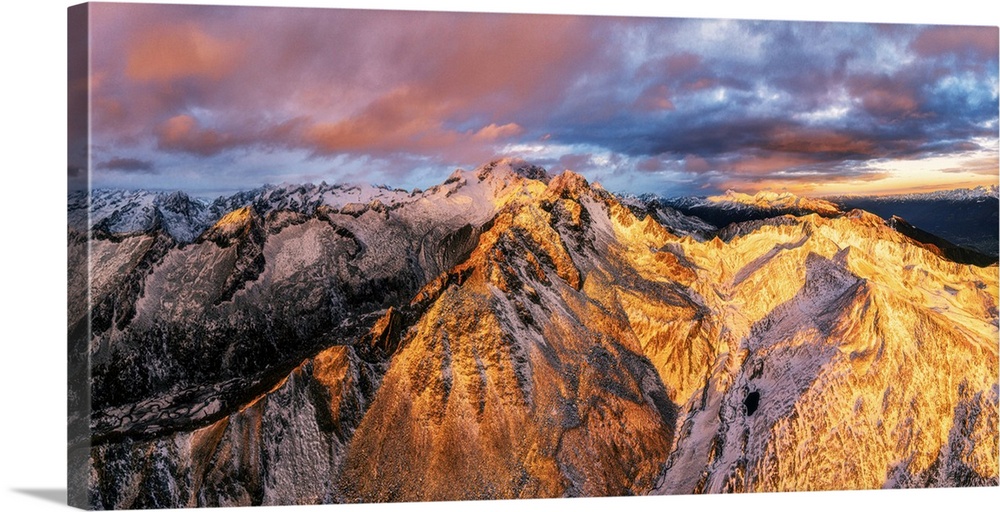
(215, 99)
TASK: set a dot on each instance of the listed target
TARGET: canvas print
(340, 256)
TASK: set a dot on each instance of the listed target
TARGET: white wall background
(32, 248)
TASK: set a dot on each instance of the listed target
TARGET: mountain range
(514, 334)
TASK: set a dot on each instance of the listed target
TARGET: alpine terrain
(514, 334)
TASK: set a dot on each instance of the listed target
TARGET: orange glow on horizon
(888, 188)
(895, 177)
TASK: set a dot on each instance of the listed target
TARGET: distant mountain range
(965, 219)
(960, 194)
(514, 334)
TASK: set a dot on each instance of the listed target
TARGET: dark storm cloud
(126, 165)
(784, 116)
(406, 94)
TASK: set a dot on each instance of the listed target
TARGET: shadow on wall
(54, 495)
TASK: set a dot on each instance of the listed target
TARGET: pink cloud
(682, 63)
(697, 164)
(885, 97)
(700, 84)
(815, 142)
(494, 132)
(673, 66)
(651, 164)
(170, 52)
(340, 81)
(182, 133)
(979, 41)
(655, 98)
(769, 163)
(573, 161)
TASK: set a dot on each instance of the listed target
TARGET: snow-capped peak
(775, 201)
(512, 166)
(569, 183)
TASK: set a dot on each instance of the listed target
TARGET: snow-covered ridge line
(775, 200)
(184, 217)
(958, 194)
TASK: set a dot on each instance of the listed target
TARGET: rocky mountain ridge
(961, 223)
(514, 334)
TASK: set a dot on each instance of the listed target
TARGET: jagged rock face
(117, 211)
(282, 447)
(866, 355)
(257, 291)
(673, 220)
(517, 380)
(512, 334)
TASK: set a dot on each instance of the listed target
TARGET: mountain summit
(510, 165)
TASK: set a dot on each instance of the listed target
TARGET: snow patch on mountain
(126, 211)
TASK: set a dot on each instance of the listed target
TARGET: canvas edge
(78, 330)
